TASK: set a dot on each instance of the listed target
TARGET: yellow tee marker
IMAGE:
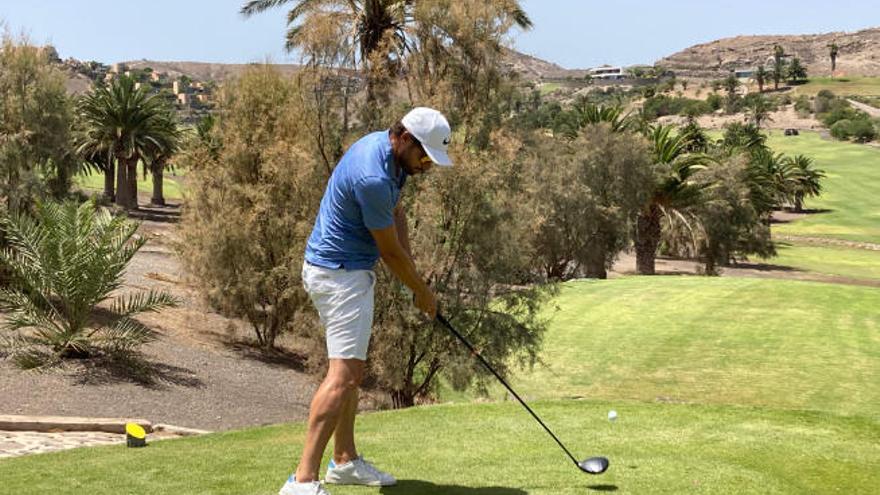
(135, 435)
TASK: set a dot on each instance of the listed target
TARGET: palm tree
(97, 159)
(833, 51)
(796, 71)
(64, 262)
(761, 77)
(807, 180)
(778, 65)
(128, 122)
(757, 109)
(673, 192)
(772, 180)
(731, 83)
(365, 25)
(588, 113)
(168, 144)
(742, 137)
(364, 22)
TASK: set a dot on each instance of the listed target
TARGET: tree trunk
(647, 239)
(798, 203)
(711, 253)
(595, 265)
(109, 177)
(401, 399)
(158, 172)
(710, 266)
(126, 183)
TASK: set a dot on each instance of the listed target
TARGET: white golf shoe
(359, 471)
(292, 487)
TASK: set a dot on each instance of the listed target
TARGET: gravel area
(201, 373)
(191, 387)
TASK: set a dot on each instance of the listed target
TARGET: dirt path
(626, 265)
(868, 109)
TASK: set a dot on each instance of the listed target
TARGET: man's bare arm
(400, 222)
(401, 265)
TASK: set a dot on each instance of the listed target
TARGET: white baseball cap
(432, 130)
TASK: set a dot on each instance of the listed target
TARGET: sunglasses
(424, 160)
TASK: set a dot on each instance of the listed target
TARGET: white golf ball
(612, 415)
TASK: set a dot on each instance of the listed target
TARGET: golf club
(592, 465)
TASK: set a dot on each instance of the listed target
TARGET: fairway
(495, 449)
(841, 86)
(94, 182)
(850, 190)
(737, 341)
(855, 264)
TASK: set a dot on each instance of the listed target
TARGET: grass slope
(860, 264)
(843, 86)
(850, 189)
(737, 341)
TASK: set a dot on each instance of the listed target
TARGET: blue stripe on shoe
(292, 479)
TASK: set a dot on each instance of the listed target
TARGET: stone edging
(66, 423)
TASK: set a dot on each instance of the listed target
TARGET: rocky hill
(201, 71)
(528, 67)
(859, 54)
(532, 68)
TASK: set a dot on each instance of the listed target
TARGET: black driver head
(594, 465)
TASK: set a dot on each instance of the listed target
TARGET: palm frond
(125, 334)
(141, 302)
(257, 6)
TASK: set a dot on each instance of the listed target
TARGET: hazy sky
(572, 33)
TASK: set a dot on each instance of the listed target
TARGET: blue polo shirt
(361, 195)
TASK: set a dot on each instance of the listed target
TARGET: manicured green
(496, 449)
(841, 86)
(548, 88)
(851, 190)
(716, 340)
(860, 264)
(95, 182)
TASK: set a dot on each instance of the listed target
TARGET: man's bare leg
(343, 438)
(328, 406)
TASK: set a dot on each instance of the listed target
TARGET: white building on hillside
(607, 72)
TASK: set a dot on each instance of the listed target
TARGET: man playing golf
(359, 221)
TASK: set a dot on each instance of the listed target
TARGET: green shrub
(841, 129)
(715, 101)
(862, 130)
(840, 110)
(803, 106)
(660, 105)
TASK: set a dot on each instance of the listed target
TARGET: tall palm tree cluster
(680, 154)
(121, 125)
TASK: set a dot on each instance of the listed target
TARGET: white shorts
(344, 300)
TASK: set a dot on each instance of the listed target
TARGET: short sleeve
(374, 196)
